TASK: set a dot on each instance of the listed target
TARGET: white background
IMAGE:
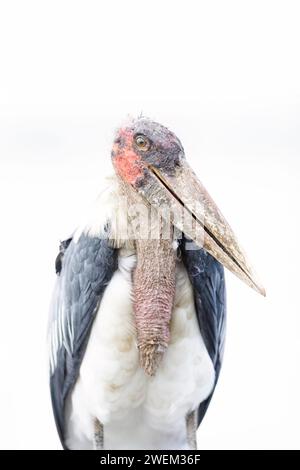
(225, 76)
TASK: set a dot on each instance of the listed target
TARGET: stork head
(150, 158)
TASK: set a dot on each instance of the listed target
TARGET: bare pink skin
(153, 293)
(127, 162)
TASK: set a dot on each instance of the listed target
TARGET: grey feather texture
(87, 267)
(207, 278)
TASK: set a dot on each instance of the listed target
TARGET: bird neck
(153, 299)
(153, 279)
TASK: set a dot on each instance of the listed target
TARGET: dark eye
(142, 142)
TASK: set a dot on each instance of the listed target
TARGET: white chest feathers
(137, 411)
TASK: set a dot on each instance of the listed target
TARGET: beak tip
(261, 290)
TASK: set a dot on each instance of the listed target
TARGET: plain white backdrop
(225, 76)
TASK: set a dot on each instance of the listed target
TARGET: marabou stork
(138, 314)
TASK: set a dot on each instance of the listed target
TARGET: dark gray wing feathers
(207, 278)
(62, 248)
(86, 267)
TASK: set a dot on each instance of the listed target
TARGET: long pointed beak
(197, 215)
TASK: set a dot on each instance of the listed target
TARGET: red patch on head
(129, 166)
(127, 163)
(126, 134)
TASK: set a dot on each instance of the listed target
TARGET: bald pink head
(141, 144)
